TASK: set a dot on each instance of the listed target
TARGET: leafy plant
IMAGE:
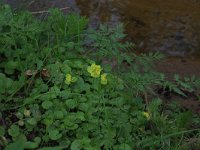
(56, 92)
(107, 43)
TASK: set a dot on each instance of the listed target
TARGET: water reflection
(170, 26)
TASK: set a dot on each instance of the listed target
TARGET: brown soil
(183, 67)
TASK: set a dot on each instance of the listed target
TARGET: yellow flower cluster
(147, 115)
(104, 80)
(95, 71)
(69, 79)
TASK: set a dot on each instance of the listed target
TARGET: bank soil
(185, 68)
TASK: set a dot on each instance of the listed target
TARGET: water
(170, 26)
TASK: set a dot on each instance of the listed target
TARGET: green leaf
(65, 94)
(74, 79)
(2, 131)
(39, 63)
(55, 90)
(10, 67)
(51, 148)
(6, 84)
(80, 86)
(75, 145)
(2, 82)
(95, 84)
(58, 114)
(13, 131)
(84, 107)
(48, 122)
(71, 103)
(76, 64)
(65, 68)
(178, 91)
(47, 104)
(32, 121)
(70, 124)
(15, 146)
(70, 45)
(54, 134)
(21, 138)
(81, 144)
(125, 147)
(44, 88)
(48, 96)
(37, 139)
(80, 116)
(30, 145)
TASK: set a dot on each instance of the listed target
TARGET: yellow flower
(94, 70)
(104, 80)
(147, 115)
(27, 113)
(68, 79)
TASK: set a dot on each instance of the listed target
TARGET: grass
(57, 93)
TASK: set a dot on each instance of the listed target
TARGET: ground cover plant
(59, 91)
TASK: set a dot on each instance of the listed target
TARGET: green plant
(54, 96)
(180, 86)
(106, 43)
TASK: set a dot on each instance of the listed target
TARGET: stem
(47, 11)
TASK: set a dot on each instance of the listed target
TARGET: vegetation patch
(59, 91)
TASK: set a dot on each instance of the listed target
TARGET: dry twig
(46, 11)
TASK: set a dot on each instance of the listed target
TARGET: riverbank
(183, 66)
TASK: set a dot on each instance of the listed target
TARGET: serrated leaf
(58, 114)
(178, 91)
(71, 103)
(75, 145)
(77, 64)
(65, 67)
(47, 104)
(14, 131)
(37, 139)
(15, 146)
(32, 121)
(54, 134)
(125, 147)
(65, 94)
(10, 67)
(30, 145)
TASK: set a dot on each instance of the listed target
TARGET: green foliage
(180, 86)
(106, 43)
(49, 99)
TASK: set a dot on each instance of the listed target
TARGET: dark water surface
(169, 26)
